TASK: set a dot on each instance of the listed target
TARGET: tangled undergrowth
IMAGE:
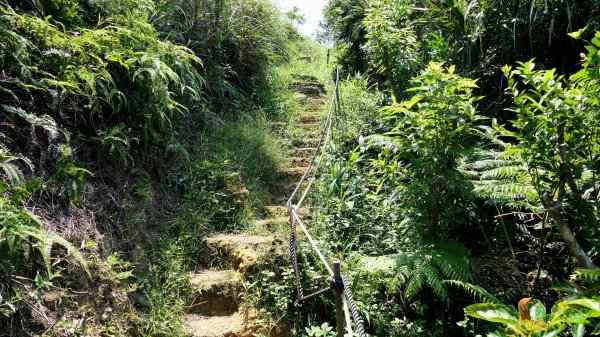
(128, 131)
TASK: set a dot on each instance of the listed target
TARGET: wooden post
(339, 314)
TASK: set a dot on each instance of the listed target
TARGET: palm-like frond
(475, 291)
(431, 265)
(501, 180)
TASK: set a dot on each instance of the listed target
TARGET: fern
(13, 174)
(501, 178)
(46, 241)
(431, 265)
(20, 228)
(586, 275)
(475, 291)
(117, 142)
(122, 66)
(44, 121)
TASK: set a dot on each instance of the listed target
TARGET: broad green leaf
(578, 330)
(589, 303)
(566, 288)
(495, 313)
(577, 34)
(537, 311)
(554, 331)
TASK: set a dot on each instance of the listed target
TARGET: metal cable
(312, 159)
(355, 315)
(300, 302)
(314, 173)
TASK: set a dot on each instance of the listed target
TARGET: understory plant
(29, 257)
(418, 161)
(576, 314)
(556, 130)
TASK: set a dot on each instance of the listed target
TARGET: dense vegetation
(464, 168)
(125, 129)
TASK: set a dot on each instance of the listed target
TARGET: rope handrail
(313, 243)
(341, 283)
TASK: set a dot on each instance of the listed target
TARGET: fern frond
(586, 275)
(45, 240)
(427, 266)
(503, 172)
(13, 173)
(415, 283)
(434, 281)
(453, 266)
(501, 179)
(44, 121)
(377, 263)
(478, 293)
(71, 250)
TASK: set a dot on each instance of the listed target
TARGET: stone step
(282, 191)
(243, 251)
(318, 101)
(293, 173)
(305, 141)
(310, 125)
(309, 119)
(239, 324)
(299, 161)
(281, 211)
(270, 223)
(197, 325)
(304, 151)
(309, 130)
(215, 292)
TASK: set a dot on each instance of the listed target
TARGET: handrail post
(339, 314)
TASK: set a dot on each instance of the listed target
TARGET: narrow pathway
(218, 308)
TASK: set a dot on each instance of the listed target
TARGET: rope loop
(336, 284)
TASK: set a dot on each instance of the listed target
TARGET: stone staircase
(218, 308)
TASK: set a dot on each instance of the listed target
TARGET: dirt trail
(217, 309)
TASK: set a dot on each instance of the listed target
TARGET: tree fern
(430, 265)
(501, 180)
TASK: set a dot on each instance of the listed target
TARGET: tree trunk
(555, 211)
(567, 174)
